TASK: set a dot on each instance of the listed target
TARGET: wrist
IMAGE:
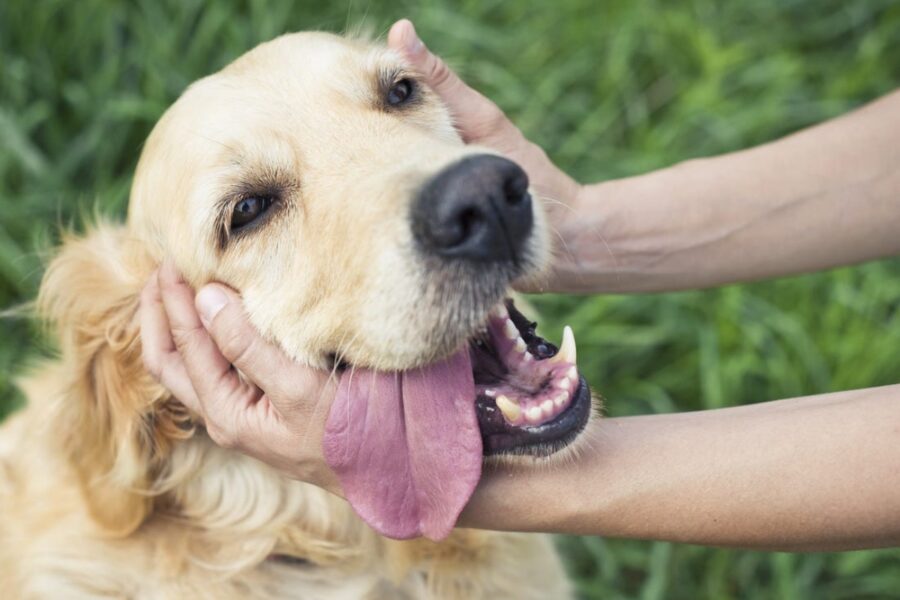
(556, 496)
(615, 234)
(584, 259)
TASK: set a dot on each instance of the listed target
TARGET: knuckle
(234, 343)
(186, 338)
(152, 363)
(221, 436)
(440, 74)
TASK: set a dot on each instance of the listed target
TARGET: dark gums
(499, 437)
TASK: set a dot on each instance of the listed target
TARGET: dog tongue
(406, 446)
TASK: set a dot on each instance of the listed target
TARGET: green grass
(609, 89)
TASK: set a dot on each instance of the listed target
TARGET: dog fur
(108, 488)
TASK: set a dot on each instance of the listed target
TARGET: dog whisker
(289, 177)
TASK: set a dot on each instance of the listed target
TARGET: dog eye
(400, 92)
(248, 209)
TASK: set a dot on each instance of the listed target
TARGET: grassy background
(609, 89)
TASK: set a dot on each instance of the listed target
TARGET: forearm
(824, 197)
(811, 473)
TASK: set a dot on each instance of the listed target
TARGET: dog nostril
(468, 220)
(457, 227)
(477, 209)
(515, 190)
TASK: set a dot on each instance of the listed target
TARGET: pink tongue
(406, 446)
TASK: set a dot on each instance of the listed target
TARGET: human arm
(826, 196)
(813, 474)
(622, 444)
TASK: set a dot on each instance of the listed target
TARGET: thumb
(222, 312)
(476, 116)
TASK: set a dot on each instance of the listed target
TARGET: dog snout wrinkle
(477, 209)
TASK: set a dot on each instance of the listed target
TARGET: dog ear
(114, 422)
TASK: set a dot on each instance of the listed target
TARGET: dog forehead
(266, 97)
(275, 107)
(311, 84)
(313, 63)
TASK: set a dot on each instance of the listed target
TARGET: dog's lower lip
(530, 398)
(541, 440)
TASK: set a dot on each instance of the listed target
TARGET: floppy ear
(115, 423)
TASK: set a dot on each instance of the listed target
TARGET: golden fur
(107, 487)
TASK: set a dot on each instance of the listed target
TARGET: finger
(220, 390)
(286, 382)
(475, 115)
(160, 356)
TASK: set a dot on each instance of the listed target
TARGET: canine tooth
(520, 346)
(566, 348)
(547, 407)
(499, 312)
(534, 414)
(509, 328)
(560, 399)
(510, 409)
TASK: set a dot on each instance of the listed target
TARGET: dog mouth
(408, 446)
(529, 397)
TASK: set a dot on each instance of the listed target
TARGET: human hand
(480, 121)
(275, 410)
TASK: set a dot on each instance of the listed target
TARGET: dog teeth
(510, 330)
(567, 348)
(520, 345)
(499, 312)
(547, 407)
(566, 352)
(510, 409)
(534, 415)
(569, 378)
(561, 399)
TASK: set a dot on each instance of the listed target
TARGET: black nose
(477, 209)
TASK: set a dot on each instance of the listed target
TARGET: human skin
(824, 197)
(814, 473)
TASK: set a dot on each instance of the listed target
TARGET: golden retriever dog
(322, 180)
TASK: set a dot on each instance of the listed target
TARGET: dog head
(322, 179)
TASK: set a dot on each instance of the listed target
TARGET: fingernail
(413, 43)
(210, 300)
